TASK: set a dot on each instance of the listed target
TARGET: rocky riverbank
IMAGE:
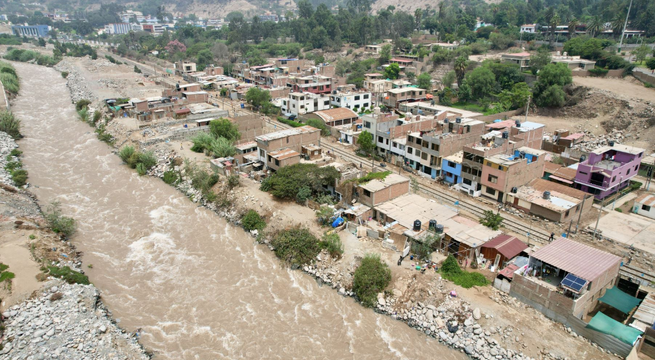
(76, 83)
(66, 321)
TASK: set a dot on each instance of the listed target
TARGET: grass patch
(171, 177)
(253, 221)
(9, 78)
(370, 279)
(4, 274)
(69, 275)
(296, 246)
(450, 270)
(10, 124)
(141, 161)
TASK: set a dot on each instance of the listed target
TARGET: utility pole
(527, 107)
(584, 199)
(624, 26)
(602, 205)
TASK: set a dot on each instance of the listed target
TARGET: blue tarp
(338, 221)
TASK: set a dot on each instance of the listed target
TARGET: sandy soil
(14, 252)
(628, 87)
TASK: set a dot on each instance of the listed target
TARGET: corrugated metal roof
(509, 246)
(508, 271)
(578, 259)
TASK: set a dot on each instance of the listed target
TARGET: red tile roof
(578, 259)
(507, 245)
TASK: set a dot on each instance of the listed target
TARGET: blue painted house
(451, 168)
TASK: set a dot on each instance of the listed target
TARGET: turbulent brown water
(198, 287)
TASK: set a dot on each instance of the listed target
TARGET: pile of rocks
(7, 144)
(66, 322)
(76, 82)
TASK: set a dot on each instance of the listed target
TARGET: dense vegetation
(9, 78)
(10, 124)
(69, 275)
(370, 279)
(300, 181)
(296, 246)
(141, 161)
(253, 221)
(450, 270)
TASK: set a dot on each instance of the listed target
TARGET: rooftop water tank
(417, 225)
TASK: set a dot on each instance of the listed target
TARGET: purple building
(608, 169)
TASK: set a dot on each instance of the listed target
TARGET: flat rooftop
(407, 208)
(288, 132)
(246, 145)
(377, 185)
(456, 157)
(557, 202)
(469, 232)
(619, 147)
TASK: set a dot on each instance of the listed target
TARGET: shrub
(319, 124)
(58, 223)
(16, 152)
(69, 275)
(619, 210)
(64, 74)
(491, 220)
(137, 70)
(5, 275)
(296, 246)
(141, 169)
(84, 114)
(171, 177)
(148, 159)
(19, 177)
(201, 142)
(370, 279)
(233, 181)
(303, 194)
(103, 135)
(289, 122)
(82, 104)
(10, 124)
(324, 215)
(253, 221)
(598, 72)
(126, 153)
(96, 116)
(450, 270)
(201, 180)
(332, 243)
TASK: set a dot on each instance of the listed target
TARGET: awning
(607, 325)
(560, 179)
(620, 300)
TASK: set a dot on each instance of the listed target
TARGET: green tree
(552, 96)
(392, 71)
(548, 90)
(515, 98)
(650, 63)
(491, 220)
(448, 79)
(482, 82)
(573, 24)
(385, 54)
(540, 59)
(425, 81)
(640, 53)
(365, 142)
(410, 76)
(224, 128)
(257, 97)
(370, 279)
(205, 57)
(461, 63)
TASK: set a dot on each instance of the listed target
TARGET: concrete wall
(647, 78)
(386, 194)
(611, 73)
(555, 306)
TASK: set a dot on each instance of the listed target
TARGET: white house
(352, 100)
(304, 103)
(645, 205)
(529, 28)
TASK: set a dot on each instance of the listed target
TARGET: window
(628, 173)
(490, 191)
(567, 213)
(261, 153)
(583, 173)
(326, 103)
(492, 179)
(418, 153)
(367, 124)
(467, 182)
(645, 207)
(356, 97)
(409, 150)
(287, 139)
(380, 139)
(451, 164)
(365, 96)
(277, 162)
(418, 141)
(367, 193)
(424, 156)
(435, 147)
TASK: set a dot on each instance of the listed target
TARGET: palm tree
(461, 63)
(594, 26)
(554, 21)
(573, 24)
(617, 23)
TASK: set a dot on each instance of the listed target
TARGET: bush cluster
(9, 78)
(296, 246)
(370, 279)
(141, 161)
(201, 180)
(4, 274)
(29, 55)
(289, 122)
(300, 181)
(18, 174)
(58, 223)
(450, 270)
(332, 243)
(253, 221)
(10, 124)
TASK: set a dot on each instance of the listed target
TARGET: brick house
(377, 191)
(502, 173)
(552, 201)
(409, 94)
(280, 158)
(293, 139)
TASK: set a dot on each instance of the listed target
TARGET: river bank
(450, 320)
(42, 316)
